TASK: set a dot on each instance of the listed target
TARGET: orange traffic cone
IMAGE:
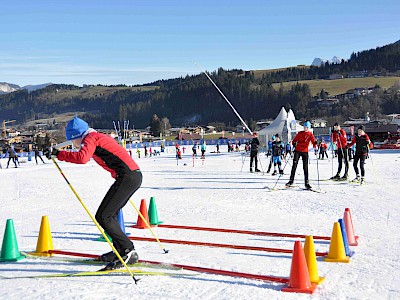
(299, 281)
(45, 241)
(348, 222)
(337, 252)
(141, 224)
(311, 258)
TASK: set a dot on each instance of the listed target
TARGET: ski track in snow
(213, 194)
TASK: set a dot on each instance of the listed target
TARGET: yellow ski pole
(148, 226)
(95, 222)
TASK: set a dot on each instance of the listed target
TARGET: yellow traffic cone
(337, 252)
(309, 252)
(45, 241)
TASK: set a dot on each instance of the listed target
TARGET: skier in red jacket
(301, 142)
(128, 178)
(340, 139)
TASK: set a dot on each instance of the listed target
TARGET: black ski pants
(13, 159)
(117, 196)
(36, 156)
(322, 154)
(253, 157)
(361, 158)
(342, 158)
(304, 157)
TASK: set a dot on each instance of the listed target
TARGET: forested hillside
(193, 99)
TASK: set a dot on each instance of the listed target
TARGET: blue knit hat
(75, 128)
(307, 124)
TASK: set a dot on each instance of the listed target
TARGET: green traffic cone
(9, 249)
(153, 215)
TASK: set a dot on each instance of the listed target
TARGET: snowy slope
(216, 194)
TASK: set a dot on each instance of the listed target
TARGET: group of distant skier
(362, 143)
(301, 142)
(12, 155)
(88, 143)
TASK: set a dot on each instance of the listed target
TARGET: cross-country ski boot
(274, 173)
(108, 257)
(257, 170)
(344, 178)
(356, 180)
(336, 177)
(362, 181)
(289, 184)
(307, 186)
(281, 172)
(130, 257)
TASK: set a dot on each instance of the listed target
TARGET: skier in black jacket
(12, 156)
(37, 154)
(254, 152)
(362, 142)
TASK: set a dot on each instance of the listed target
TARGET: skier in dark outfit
(12, 156)
(277, 150)
(362, 142)
(301, 141)
(37, 154)
(254, 152)
(128, 178)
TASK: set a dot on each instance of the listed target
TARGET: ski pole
(95, 222)
(148, 226)
(243, 160)
(318, 174)
(373, 167)
(280, 174)
(259, 160)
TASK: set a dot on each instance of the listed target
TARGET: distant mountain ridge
(179, 99)
(320, 61)
(6, 87)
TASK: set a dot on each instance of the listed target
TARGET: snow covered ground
(213, 194)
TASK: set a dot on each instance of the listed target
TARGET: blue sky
(135, 42)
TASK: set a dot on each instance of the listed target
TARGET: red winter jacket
(303, 140)
(105, 151)
(340, 139)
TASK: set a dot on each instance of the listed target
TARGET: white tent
(284, 124)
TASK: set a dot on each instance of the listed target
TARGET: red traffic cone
(299, 281)
(348, 222)
(141, 224)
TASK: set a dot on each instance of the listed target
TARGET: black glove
(50, 152)
(338, 132)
